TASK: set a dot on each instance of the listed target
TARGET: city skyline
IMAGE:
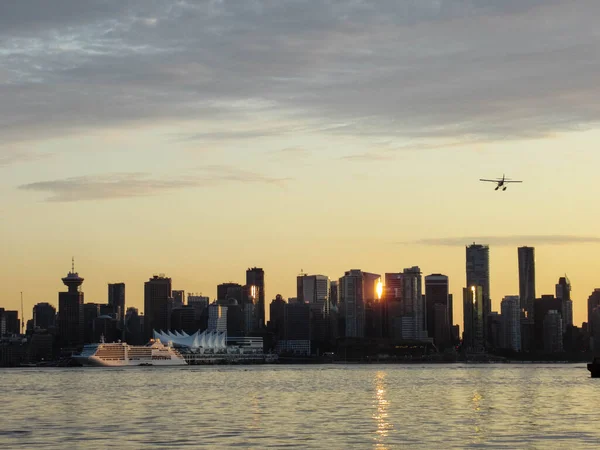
(311, 135)
(457, 312)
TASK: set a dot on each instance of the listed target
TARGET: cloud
(124, 185)
(509, 240)
(13, 156)
(462, 69)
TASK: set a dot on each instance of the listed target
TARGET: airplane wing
(512, 181)
(491, 181)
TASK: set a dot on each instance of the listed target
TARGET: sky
(200, 138)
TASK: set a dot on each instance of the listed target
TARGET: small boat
(594, 367)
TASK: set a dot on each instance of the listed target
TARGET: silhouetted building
(41, 347)
(510, 309)
(526, 256)
(563, 292)
(226, 291)
(235, 317)
(594, 324)
(116, 299)
(158, 304)
(217, 317)
(91, 311)
(553, 337)
(44, 316)
(106, 327)
(333, 293)
(593, 303)
(436, 293)
(255, 280)
(70, 311)
(184, 318)
(355, 289)
(178, 298)
(297, 329)
(473, 337)
(277, 316)
(198, 302)
(9, 322)
(494, 330)
(313, 289)
(478, 274)
(542, 306)
(405, 305)
(133, 327)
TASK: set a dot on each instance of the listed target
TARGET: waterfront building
(437, 293)
(158, 304)
(297, 329)
(217, 317)
(542, 307)
(184, 318)
(563, 292)
(510, 309)
(116, 299)
(355, 289)
(133, 327)
(70, 311)
(9, 322)
(553, 337)
(178, 298)
(44, 316)
(527, 295)
(473, 309)
(277, 317)
(225, 291)
(478, 273)
(255, 281)
(313, 289)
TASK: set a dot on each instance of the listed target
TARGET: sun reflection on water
(380, 414)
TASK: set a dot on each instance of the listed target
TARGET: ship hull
(94, 361)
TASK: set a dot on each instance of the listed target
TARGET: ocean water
(322, 406)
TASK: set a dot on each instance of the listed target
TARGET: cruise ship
(120, 354)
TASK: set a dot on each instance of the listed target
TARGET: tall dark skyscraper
(563, 292)
(116, 300)
(255, 282)
(527, 280)
(70, 311)
(436, 293)
(527, 295)
(158, 304)
(178, 298)
(473, 336)
(478, 274)
(44, 316)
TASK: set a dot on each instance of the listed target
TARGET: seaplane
(501, 182)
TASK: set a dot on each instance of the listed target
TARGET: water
(328, 406)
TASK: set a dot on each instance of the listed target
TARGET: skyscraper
(313, 289)
(563, 292)
(510, 309)
(255, 281)
(553, 337)
(353, 292)
(414, 320)
(527, 297)
(473, 338)
(527, 280)
(593, 303)
(178, 298)
(44, 316)
(436, 293)
(217, 317)
(158, 304)
(116, 299)
(478, 274)
(70, 311)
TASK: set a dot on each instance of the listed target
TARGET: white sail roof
(215, 340)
